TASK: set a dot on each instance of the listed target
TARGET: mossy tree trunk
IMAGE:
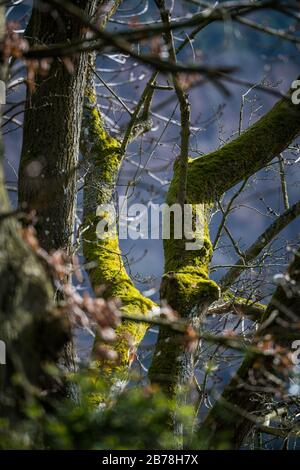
(103, 158)
(186, 284)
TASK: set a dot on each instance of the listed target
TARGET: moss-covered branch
(103, 158)
(186, 285)
(212, 175)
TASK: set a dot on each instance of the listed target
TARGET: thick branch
(212, 175)
(186, 283)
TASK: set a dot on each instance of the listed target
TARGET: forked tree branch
(186, 280)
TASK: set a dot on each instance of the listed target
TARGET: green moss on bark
(187, 289)
(103, 157)
(186, 285)
(213, 174)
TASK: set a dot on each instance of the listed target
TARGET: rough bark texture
(34, 335)
(47, 174)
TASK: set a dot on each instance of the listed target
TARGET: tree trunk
(52, 122)
(186, 285)
(33, 334)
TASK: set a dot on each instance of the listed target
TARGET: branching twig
(263, 240)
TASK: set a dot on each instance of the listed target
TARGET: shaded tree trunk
(52, 124)
(52, 121)
(33, 334)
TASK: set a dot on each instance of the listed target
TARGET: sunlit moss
(107, 272)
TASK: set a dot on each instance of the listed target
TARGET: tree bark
(33, 333)
(52, 122)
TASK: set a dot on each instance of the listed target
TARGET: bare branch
(257, 247)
